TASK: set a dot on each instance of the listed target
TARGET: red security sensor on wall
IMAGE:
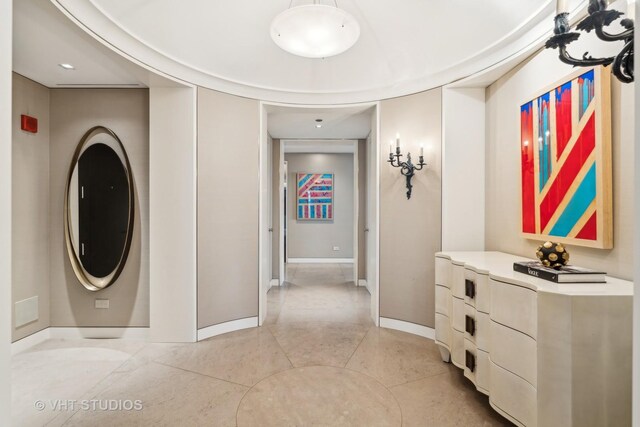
(28, 123)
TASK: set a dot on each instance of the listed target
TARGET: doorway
(319, 225)
(279, 259)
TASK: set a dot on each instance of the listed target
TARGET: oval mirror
(99, 209)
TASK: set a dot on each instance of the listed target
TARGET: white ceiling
(337, 123)
(405, 46)
(43, 38)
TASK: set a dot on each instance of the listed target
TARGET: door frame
(266, 177)
(312, 146)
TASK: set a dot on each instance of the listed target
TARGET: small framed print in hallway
(315, 196)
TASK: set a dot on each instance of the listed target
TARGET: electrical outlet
(336, 248)
(102, 303)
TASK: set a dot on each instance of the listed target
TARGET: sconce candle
(562, 7)
(407, 168)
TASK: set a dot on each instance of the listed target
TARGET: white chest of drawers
(546, 354)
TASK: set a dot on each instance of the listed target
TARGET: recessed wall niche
(126, 113)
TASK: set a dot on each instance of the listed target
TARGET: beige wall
(126, 112)
(315, 239)
(228, 144)
(30, 203)
(362, 208)
(410, 230)
(503, 165)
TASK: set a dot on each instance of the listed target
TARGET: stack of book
(567, 274)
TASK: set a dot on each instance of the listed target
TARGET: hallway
(317, 361)
(319, 292)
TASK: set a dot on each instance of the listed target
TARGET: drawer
(443, 330)
(443, 272)
(457, 314)
(478, 323)
(514, 351)
(476, 290)
(480, 374)
(457, 348)
(514, 306)
(483, 297)
(512, 395)
(457, 280)
(443, 300)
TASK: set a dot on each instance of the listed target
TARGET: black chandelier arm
(407, 170)
(599, 19)
(623, 64)
(607, 37)
(396, 163)
(586, 61)
(420, 165)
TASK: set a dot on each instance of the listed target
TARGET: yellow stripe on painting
(572, 189)
(567, 150)
(575, 103)
(583, 220)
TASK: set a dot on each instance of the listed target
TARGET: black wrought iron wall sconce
(407, 168)
(599, 18)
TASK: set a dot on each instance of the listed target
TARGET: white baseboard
(223, 328)
(320, 261)
(273, 282)
(30, 341)
(408, 327)
(134, 333)
(365, 284)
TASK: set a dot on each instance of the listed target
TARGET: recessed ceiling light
(67, 66)
(318, 125)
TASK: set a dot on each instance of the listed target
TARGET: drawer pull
(470, 325)
(470, 288)
(470, 361)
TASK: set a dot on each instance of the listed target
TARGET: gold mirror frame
(90, 282)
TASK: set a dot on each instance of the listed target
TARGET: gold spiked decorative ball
(552, 255)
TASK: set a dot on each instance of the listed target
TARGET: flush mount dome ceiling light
(315, 30)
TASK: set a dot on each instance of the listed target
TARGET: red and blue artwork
(315, 196)
(564, 164)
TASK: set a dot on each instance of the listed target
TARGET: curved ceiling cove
(404, 47)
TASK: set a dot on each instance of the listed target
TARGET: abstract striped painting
(566, 162)
(315, 196)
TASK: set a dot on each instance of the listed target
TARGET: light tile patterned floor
(317, 361)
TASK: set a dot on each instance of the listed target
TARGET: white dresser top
(499, 266)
